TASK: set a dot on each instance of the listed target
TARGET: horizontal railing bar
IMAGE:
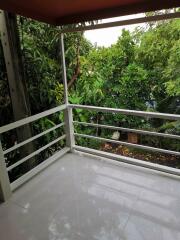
(128, 160)
(122, 22)
(17, 183)
(32, 139)
(30, 119)
(129, 130)
(128, 112)
(129, 144)
(35, 153)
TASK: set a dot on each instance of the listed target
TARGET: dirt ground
(160, 158)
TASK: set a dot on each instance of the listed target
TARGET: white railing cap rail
(30, 119)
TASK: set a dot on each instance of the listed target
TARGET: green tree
(172, 71)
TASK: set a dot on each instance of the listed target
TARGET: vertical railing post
(69, 128)
(68, 117)
(5, 188)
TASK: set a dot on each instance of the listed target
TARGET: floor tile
(81, 198)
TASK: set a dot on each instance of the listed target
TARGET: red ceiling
(61, 12)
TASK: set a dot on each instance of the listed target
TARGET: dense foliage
(140, 71)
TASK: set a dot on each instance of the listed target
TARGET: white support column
(5, 188)
(68, 116)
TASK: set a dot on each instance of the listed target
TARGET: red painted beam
(61, 12)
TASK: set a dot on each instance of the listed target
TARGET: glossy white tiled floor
(81, 198)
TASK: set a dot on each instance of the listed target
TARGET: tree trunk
(16, 79)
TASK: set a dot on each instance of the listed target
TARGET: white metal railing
(171, 117)
(27, 120)
(69, 135)
(21, 123)
(32, 138)
(128, 112)
(153, 149)
(143, 132)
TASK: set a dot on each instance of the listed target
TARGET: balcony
(83, 193)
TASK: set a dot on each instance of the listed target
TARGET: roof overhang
(61, 12)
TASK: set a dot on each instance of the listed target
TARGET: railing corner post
(68, 117)
(5, 187)
(69, 128)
